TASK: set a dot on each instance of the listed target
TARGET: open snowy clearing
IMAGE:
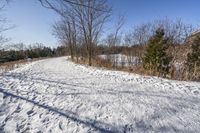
(55, 95)
(121, 59)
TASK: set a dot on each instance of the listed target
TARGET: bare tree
(3, 26)
(88, 16)
(137, 40)
(3, 3)
(91, 22)
(141, 34)
(66, 31)
(59, 5)
(114, 39)
(176, 30)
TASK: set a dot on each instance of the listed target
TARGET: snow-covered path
(55, 95)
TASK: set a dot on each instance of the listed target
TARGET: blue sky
(33, 22)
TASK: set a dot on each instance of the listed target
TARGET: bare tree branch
(48, 4)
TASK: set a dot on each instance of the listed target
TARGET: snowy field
(121, 60)
(57, 96)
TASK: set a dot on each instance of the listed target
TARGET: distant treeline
(36, 52)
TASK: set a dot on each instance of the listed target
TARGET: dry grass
(137, 69)
(8, 66)
(106, 64)
(11, 65)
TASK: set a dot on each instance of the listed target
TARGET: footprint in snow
(39, 132)
(18, 109)
(196, 92)
(30, 112)
(61, 125)
(128, 128)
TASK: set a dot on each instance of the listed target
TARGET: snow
(56, 95)
(121, 59)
